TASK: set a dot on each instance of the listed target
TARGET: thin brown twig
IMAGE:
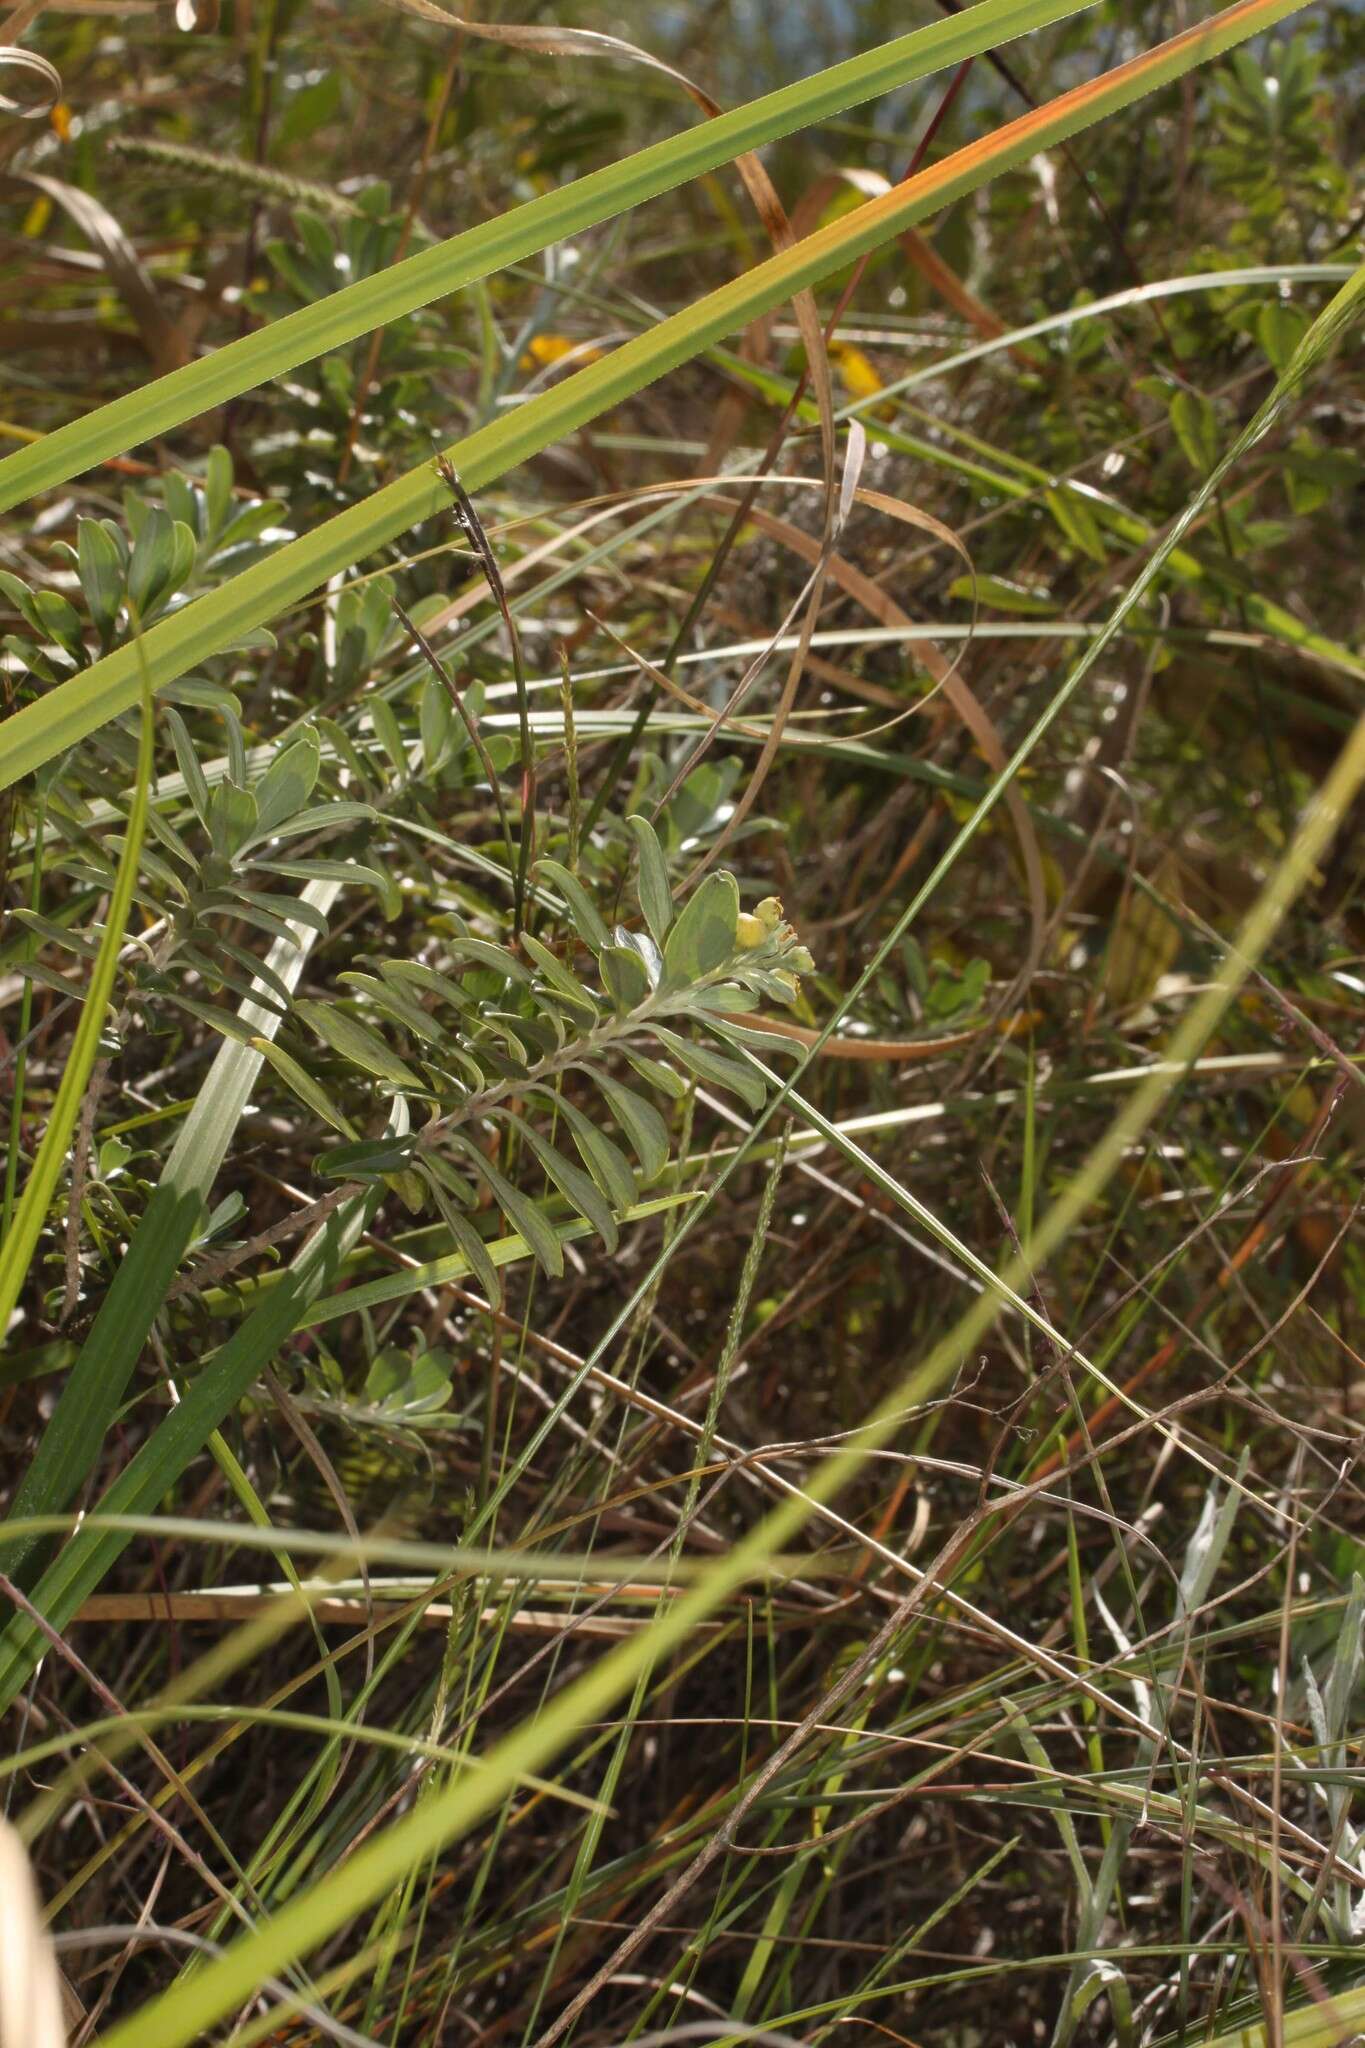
(473, 527)
(467, 718)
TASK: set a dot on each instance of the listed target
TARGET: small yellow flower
(858, 374)
(545, 349)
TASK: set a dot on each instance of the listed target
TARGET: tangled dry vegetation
(683, 1107)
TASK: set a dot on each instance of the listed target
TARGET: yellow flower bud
(769, 913)
(749, 932)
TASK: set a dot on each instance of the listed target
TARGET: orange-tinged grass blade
(421, 280)
(261, 593)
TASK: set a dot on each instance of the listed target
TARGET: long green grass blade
(480, 251)
(91, 1396)
(295, 1300)
(211, 1396)
(214, 621)
(1334, 2017)
(410, 1280)
(21, 1241)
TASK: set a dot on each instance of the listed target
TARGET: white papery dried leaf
(30, 1989)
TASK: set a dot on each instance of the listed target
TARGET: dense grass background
(656, 1462)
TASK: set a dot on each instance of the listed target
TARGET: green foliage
(507, 1024)
(439, 1173)
(131, 572)
(1273, 128)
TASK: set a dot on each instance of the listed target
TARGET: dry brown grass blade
(894, 1049)
(551, 39)
(939, 273)
(30, 65)
(231, 1608)
(946, 678)
(162, 340)
(1256, 1239)
(917, 249)
(23, 17)
(835, 521)
(472, 527)
(823, 558)
(665, 682)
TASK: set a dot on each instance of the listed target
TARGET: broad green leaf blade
(656, 898)
(703, 938)
(640, 1121)
(423, 279)
(205, 627)
(582, 910)
(714, 1067)
(356, 1042)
